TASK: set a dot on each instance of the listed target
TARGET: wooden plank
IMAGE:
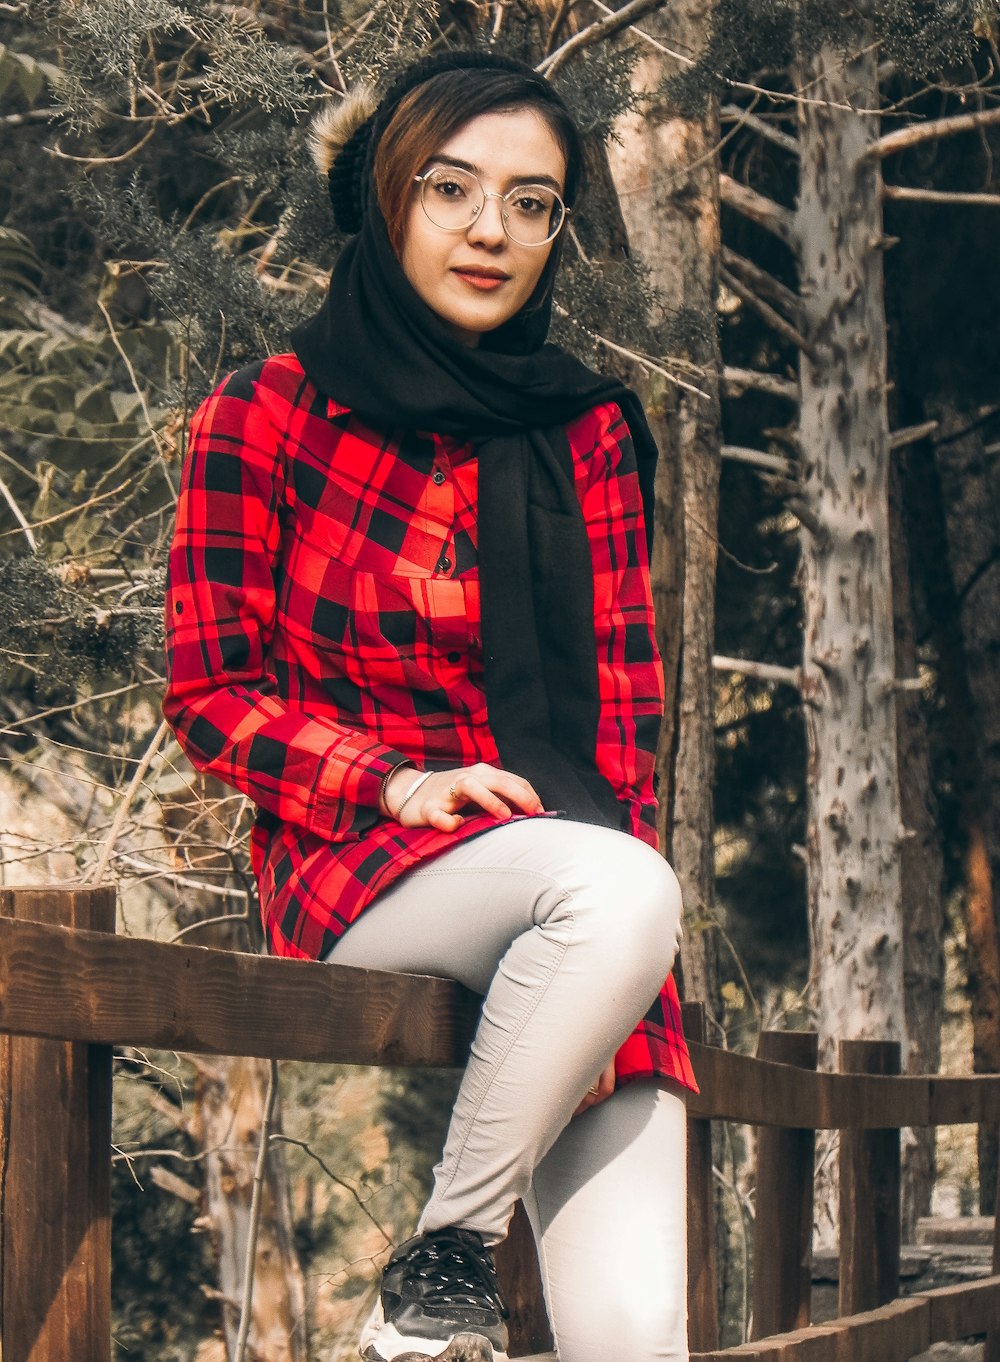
(123, 990)
(991, 1349)
(702, 1291)
(962, 1101)
(893, 1333)
(964, 1309)
(869, 1193)
(55, 1170)
(782, 1275)
(741, 1088)
(521, 1287)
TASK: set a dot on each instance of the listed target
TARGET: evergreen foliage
(921, 37)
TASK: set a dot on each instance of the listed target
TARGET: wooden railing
(70, 990)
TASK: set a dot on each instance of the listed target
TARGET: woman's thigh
(457, 915)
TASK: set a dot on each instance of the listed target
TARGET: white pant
(569, 930)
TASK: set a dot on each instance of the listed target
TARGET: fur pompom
(333, 128)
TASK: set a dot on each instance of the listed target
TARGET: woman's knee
(633, 901)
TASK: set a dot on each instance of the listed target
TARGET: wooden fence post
(991, 1348)
(521, 1286)
(869, 1193)
(55, 1169)
(703, 1304)
(783, 1226)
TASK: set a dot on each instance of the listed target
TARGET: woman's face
(477, 279)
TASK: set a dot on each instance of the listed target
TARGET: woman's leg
(609, 1206)
(569, 930)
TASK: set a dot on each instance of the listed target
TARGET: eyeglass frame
(492, 194)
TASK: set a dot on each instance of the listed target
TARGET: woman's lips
(485, 282)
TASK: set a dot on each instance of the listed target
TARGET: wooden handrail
(68, 993)
(115, 990)
(65, 984)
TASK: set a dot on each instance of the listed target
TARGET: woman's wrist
(389, 779)
(408, 794)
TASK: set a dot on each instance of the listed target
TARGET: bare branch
(334, 1177)
(98, 871)
(684, 58)
(764, 310)
(906, 195)
(760, 671)
(30, 116)
(170, 1182)
(773, 217)
(764, 283)
(256, 1201)
(645, 361)
(19, 515)
(908, 435)
(595, 32)
(732, 113)
(915, 133)
(759, 458)
(738, 380)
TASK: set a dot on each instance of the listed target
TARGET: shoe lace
(457, 1270)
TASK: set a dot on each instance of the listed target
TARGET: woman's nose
(488, 227)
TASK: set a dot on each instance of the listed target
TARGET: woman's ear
(334, 126)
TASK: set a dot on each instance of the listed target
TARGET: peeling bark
(854, 820)
(670, 169)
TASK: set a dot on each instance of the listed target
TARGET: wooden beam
(703, 1307)
(126, 990)
(55, 1168)
(869, 1193)
(521, 1288)
(782, 1268)
(968, 1308)
(893, 1333)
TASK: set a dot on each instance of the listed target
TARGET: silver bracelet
(383, 803)
(411, 792)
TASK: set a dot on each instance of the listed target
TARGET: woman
(409, 616)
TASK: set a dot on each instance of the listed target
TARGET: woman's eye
(449, 189)
(531, 205)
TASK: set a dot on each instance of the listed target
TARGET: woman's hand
(437, 801)
(603, 1087)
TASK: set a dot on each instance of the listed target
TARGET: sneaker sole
(462, 1348)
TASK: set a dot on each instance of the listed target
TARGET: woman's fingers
(499, 787)
(439, 798)
(602, 1088)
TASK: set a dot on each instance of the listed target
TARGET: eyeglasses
(532, 214)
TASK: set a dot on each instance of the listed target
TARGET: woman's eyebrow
(478, 170)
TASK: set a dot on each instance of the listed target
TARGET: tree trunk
(854, 820)
(229, 1109)
(226, 1119)
(970, 576)
(922, 877)
(671, 209)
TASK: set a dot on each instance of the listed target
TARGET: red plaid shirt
(323, 625)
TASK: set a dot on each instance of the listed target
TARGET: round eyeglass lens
(454, 198)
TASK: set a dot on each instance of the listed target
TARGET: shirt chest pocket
(378, 628)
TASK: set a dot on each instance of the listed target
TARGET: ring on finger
(594, 1089)
(453, 793)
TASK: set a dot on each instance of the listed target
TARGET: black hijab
(377, 348)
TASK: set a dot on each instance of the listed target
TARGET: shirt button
(443, 564)
(454, 657)
(439, 476)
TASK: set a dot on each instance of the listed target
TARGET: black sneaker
(439, 1299)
